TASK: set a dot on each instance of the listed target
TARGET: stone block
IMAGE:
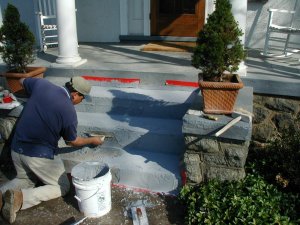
(193, 168)
(235, 153)
(224, 173)
(199, 143)
(6, 126)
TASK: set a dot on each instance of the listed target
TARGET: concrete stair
(146, 127)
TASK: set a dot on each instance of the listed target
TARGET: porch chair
(288, 30)
(47, 24)
(48, 30)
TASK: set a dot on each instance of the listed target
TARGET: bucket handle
(80, 200)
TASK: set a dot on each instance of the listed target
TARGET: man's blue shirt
(48, 115)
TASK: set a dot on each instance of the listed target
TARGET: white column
(239, 10)
(67, 34)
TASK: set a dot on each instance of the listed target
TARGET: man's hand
(98, 140)
(80, 141)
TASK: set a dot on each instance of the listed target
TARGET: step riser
(151, 142)
(134, 108)
(152, 171)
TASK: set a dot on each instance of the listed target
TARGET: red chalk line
(182, 83)
(110, 79)
(133, 80)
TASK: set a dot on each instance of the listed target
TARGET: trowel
(139, 216)
(80, 221)
(100, 134)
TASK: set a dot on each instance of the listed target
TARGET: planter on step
(220, 97)
(13, 78)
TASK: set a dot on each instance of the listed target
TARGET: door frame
(154, 16)
(124, 17)
(209, 8)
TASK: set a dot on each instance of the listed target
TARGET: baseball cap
(82, 86)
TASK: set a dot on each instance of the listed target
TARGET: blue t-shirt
(48, 115)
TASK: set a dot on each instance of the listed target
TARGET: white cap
(82, 86)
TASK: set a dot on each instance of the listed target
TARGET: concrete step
(170, 104)
(130, 132)
(148, 79)
(146, 127)
(152, 171)
(135, 99)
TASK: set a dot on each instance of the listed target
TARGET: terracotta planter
(220, 97)
(13, 78)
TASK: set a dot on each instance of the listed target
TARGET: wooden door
(182, 18)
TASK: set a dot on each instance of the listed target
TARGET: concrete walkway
(265, 75)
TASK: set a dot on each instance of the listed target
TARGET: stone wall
(272, 115)
(208, 157)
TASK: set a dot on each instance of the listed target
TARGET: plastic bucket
(92, 181)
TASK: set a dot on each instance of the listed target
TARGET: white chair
(288, 30)
(48, 29)
(47, 24)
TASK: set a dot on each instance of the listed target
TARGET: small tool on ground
(79, 222)
(237, 116)
(139, 216)
(202, 114)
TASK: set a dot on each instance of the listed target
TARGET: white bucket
(92, 181)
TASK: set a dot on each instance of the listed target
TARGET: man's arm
(80, 141)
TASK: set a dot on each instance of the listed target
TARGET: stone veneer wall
(272, 115)
(214, 158)
(207, 158)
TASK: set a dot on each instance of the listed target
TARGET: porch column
(239, 10)
(67, 34)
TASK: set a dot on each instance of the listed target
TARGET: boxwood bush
(249, 201)
(269, 194)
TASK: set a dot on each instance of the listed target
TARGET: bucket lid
(89, 170)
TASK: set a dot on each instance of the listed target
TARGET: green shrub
(249, 201)
(219, 47)
(279, 162)
(17, 41)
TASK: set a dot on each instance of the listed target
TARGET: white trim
(209, 8)
(147, 11)
(124, 17)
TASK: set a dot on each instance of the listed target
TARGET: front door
(182, 18)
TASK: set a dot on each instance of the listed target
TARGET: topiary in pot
(17, 49)
(218, 54)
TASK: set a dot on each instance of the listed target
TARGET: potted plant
(218, 54)
(17, 49)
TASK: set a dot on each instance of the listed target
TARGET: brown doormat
(169, 46)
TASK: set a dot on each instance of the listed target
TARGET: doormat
(169, 46)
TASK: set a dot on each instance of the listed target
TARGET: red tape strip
(182, 83)
(110, 79)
